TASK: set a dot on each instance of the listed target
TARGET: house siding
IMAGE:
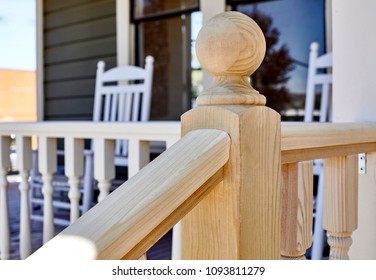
(77, 34)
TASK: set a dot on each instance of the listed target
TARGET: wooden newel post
(240, 218)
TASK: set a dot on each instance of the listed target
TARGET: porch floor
(160, 251)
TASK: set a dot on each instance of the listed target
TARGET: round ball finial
(231, 46)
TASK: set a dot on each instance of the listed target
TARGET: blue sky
(17, 34)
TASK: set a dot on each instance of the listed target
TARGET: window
(163, 30)
(290, 26)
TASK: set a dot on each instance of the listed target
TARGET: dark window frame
(161, 15)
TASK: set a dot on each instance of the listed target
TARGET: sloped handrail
(128, 221)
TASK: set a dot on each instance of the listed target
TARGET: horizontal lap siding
(77, 34)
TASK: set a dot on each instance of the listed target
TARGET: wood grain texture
(340, 203)
(231, 46)
(240, 218)
(308, 141)
(133, 217)
(297, 209)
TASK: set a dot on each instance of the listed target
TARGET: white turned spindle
(74, 169)
(104, 168)
(24, 164)
(4, 210)
(47, 167)
(88, 181)
(340, 203)
(297, 209)
(138, 156)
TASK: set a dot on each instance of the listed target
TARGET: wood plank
(300, 136)
(82, 12)
(81, 32)
(340, 203)
(146, 203)
(326, 152)
(76, 88)
(243, 212)
(81, 50)
(297, 209)
(54, 5)
(75, 70)
(307, 141)
(69, 107)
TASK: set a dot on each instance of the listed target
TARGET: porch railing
(239, 179)
(74, 133)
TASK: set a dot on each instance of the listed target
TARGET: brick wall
(17, 95)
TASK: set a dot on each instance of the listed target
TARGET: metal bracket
(362, 163)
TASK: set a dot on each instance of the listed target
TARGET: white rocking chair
(122, 94)
(324, 81)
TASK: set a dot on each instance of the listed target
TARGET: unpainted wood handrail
(308, 141)
(127, 222)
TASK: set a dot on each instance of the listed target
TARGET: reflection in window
(290, 26)
(143, 9)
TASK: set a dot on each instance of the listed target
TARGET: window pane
(148, 8)
(290, 26)
(168, 40)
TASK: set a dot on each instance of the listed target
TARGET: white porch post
(123, 32)
(39, 54)
(354, 99)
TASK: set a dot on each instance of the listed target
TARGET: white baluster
(47, 167)
(104, 165)
(24, 164)
(88, 181)
(4, 210)
(138, 156)
(74, 168)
